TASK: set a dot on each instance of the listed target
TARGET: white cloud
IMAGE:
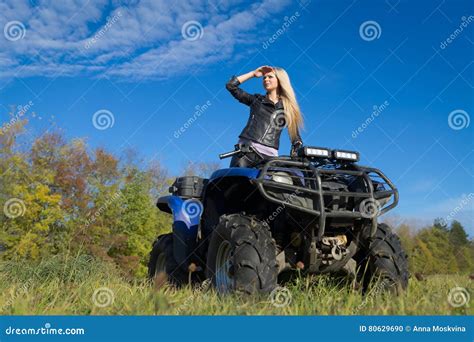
(132, 40)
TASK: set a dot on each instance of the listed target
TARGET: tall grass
(85, 286)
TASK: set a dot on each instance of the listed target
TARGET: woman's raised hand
(262, 70)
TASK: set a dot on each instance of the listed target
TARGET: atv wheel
(383, 259)
(242, 256)
(162, 261)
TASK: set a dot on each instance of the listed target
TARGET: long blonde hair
(293, 115)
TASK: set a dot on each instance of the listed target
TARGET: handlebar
(229, 154)
(240, 149)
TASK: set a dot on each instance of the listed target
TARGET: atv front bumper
(310, 185)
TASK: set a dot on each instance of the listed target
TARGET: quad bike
(313, 212)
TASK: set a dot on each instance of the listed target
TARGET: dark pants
(248, 160)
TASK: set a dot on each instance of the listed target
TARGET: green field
(82, 286)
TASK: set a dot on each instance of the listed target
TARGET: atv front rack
(310, 179)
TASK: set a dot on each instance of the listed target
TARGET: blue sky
(150, 64)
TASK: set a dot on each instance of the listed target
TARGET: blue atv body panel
(235, 172)
(176, 205)
(186, 216)
(187, 212)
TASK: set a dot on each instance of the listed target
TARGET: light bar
(317, 152)
(346, 155)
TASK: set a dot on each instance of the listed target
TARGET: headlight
(346, 155)
(282, 177)
(316, 152)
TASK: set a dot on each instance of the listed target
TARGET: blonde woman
(269, 114)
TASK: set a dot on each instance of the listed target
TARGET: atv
(313, 212)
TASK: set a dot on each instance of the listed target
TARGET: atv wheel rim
(223, 265)
(160, 264)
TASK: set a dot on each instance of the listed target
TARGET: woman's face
(270, 81)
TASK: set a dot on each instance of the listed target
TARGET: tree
(138, 221)
(433, 253)
(440, 223)
(457, 234)
(41, 225)
(32, 220)
(95, 231)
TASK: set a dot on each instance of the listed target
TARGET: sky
(392, 79)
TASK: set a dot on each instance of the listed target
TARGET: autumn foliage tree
(440, 249)
(60, 197)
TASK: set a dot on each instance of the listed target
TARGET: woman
(269, 114)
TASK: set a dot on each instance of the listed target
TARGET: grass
(84, 286)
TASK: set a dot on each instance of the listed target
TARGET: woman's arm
(297, 140)
(296, 143)
(246, 77)
(241, 95)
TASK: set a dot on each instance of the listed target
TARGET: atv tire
(242, 256)
(162, 261)
(383, 259)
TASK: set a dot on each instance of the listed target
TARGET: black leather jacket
(266, 120)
